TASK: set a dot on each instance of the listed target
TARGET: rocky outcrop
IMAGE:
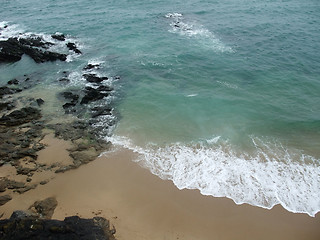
(24, 225)
(44, 209)
(73, 47)
(94, 78)
(4, 199)
(21, 116)
(94, 94)
(91, 66)
(7, 90)
(59, 37)
(13, 49)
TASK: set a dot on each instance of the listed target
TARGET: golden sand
(142, 206)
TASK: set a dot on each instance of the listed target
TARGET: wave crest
(260, 178)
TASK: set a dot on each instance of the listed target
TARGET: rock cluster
(13, 49)
(22, 132)
(36, 224)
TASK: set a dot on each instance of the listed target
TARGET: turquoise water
(221, 96)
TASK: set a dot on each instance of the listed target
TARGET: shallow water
(220, 96)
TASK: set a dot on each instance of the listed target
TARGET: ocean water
(220, 96)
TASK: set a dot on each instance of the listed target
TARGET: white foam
(192, 95)
(261, 178)
(228, 85)
(9, 30)
(196, 31)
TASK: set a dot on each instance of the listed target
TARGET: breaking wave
(270, 175)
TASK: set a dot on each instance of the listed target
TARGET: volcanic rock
(25, 225)
(73, 47)
(21, 116)
(93, 94)
(59, 37)
(13, 49)
(93, 78)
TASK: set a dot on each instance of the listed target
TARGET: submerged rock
(93, 78)
(7, 91)
(99, 111)
(13, 81)
(18, 117)
(40, 101)
(91, 66)
(93, 94)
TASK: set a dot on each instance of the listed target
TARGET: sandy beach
(143, 206)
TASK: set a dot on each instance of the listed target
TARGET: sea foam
(260, 178)
(196, 31)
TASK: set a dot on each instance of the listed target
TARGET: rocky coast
(56, 182)
(30, 142)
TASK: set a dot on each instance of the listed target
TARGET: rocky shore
(36, 223)
(23, 128)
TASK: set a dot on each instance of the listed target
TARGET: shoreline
(140, 205)
(58, 160)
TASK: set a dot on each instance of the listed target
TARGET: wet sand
(142, 206)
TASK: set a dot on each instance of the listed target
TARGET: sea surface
(220, 96)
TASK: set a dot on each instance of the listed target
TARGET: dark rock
(91, 66)
(68, 105)
(3, 184)
(10, 50)
(40, 101)
(92, 95)
(59, 37)
(4, 199)
(40, 56)
(93, 78)
(13, 81)
(21, 116)
(44, 182)
(34, 132)
(73, 47)
(65, 80)
(105, 88)
(70, 96)
(6, 105)
(98, 111)
(24, 225)
(7, 91)
(13, 49)
(34, 42)
(44, 208)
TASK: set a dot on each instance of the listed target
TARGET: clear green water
(222, 96)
